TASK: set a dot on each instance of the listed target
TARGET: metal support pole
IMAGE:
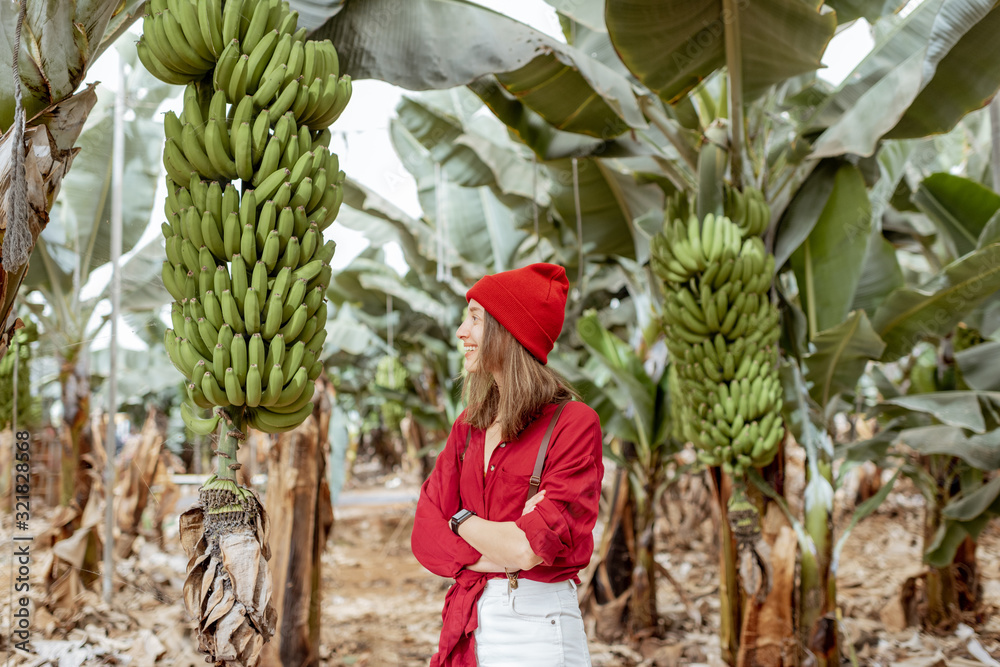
(117, 179)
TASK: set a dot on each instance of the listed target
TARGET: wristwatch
(460, 516)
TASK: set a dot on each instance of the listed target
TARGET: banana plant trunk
(818, 589)
(297, 488)
(730, 597)
(49, 153)
(757, 630)
(75, 435)
(952, 590)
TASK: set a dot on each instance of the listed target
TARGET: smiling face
(471, 334)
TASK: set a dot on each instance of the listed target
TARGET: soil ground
(381, 608)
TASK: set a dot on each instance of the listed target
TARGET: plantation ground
(381, 608)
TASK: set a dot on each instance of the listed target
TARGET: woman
(514, 559)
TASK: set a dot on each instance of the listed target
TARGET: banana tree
(77, 242)
(59, 41)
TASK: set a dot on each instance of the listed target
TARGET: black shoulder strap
(468, 439)
(536, 476)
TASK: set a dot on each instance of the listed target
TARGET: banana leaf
(908, 315)
(840, 357)
(78, 236)
(473, 149)
(871, 10)
(991, 231)
(971, 506)
(473, 221)
(59, 41)
(438, 133)
(960, 207)
(610, 202)
(416, 45)
(950, 535)
(381, 222)
(980, 366)
(935, 66)
(638, 391)
(589, 13)
(880, 275)
(828, 264)
(672, 45)
(954, 408)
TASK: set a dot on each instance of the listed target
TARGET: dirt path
(382, 609)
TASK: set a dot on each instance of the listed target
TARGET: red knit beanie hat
(529, 302)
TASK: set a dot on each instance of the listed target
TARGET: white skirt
(535, 625)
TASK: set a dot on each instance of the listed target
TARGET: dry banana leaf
(228, 587)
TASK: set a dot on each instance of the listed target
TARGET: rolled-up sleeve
(433, 544)
(571, 480)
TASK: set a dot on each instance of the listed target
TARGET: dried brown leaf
(241, 560)
(222, 607)
(192, 528)
(207, 581)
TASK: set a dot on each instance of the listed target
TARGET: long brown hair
(528, 385)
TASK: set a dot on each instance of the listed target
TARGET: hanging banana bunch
(722, 333)
(251, 186)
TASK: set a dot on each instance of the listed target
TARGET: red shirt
(559, 529)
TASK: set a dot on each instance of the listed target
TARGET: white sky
(361, 137)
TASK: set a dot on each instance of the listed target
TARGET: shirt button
(493, 468)
(502, 445)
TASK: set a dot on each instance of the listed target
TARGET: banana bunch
(247, 332)
(246, 262)
(722, 334)
(748, 209)
(178, 43)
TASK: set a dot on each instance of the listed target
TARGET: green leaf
(909, 315)
(587, 12)
(871, 10)
(437, 133)
(610, 202)
(348, 334)
(979, 451)
(672, 45)
(950, 535)
(991, 232)
(974, 504)
(314, 13)
(873, 449)
(804, 210)
(381, 221)
(980, 366)
(828, 264)
(627, 369)
(879, 277)
(418, 47)
(959, 206)
(936, 65)
(416, 299)
(841, 356)
(964, 80)
(957, 408)
(481, 229)
(141, 282)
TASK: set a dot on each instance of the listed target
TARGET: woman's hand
(532, 501)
